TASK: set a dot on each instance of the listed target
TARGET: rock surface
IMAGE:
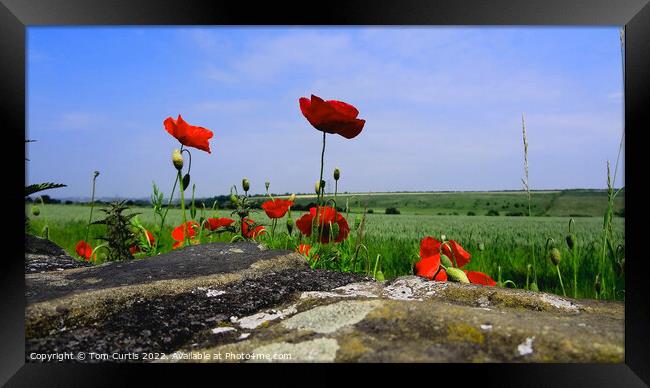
(240, 303)
(43, 255)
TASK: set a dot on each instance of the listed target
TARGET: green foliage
(35, 188)
(119, 236)
(392, 210)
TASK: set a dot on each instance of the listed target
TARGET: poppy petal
(476, 277)
(461, 256)
(429, 246)
(304, 223)
(344, 108)
(441, 276)
(428, 266)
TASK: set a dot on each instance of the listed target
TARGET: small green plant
(119, 236)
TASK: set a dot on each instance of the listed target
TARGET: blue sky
(442, 106)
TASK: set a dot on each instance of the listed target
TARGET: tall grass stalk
(611, 195)
(527, 184)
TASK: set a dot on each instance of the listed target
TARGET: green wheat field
(490, 225)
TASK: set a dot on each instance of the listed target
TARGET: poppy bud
(533, 287)
(292, 198)
(457, 275)
(36, 210)
(233, 198)
(622, 263)
(177, 159)
(597, 285)
(571, 240)
(317, 187)
(337, 174)
(245, 184)
(445, 261)
(379, 276)
(481, 246)
(46, 232)
(96, 174)
(289, 225)
(267, 184)
(185, 182)
(443, 237)
(555, 256)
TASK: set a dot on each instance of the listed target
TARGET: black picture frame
(16, 15)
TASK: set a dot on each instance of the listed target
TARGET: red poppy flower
(462, 256)
(216, 223)
(327, 218)
(476, 277)
(189, 135)
(84, 250)
(249, 230)
(179, 233)
(136, 248)
(276, 208)
(430, 245)
(332, 116)
(304, 249)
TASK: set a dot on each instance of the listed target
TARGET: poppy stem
(322, 164)
(560, 277)
(92, 205)
(185, 227)
(321, 189)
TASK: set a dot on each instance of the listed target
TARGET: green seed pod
(457, 275)
(481, 246)
(177, 159)
(185, 182)
(337, 174)
(597, 284)
(533, 287)
(571, 240)
(555, 256)
(245, 184)
(357, 221)
(445, 261)
(289, 225)
(36, 210)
